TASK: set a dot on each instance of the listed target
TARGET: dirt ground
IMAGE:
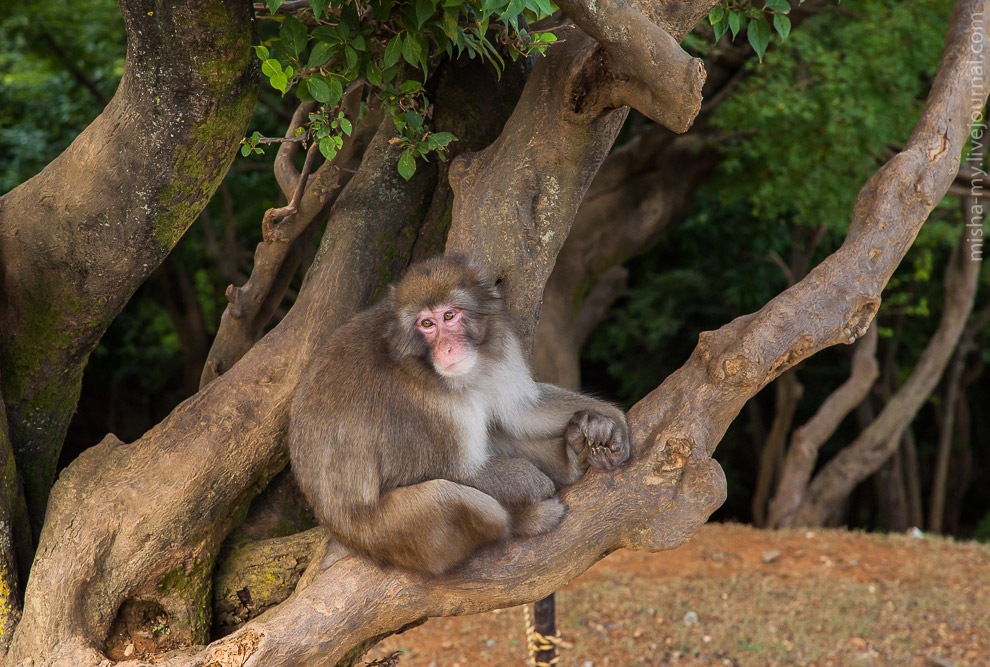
(734, 595)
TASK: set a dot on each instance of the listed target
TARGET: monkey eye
(448, 316)
(426, 324)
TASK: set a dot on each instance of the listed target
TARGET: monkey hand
(603, 440)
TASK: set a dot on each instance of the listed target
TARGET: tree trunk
(107, 211)
(802, 454)
(953, 389)
(786, 398)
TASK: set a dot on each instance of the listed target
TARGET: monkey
(418, 433)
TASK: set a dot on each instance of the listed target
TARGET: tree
(138, 526)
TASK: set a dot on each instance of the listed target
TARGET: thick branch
(787, 395)
(649, 71)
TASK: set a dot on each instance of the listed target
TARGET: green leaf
(245, 149)
(293, 34)
(782, 24)
(336, 91)
(279, 82)
(778, 5)
(262, 52)
(720, 27)
(319, 89)
(393, 51)
(736, 21)
(450, 22)
(328, 148)
(350, 57)
(326, 33)
(414, 120)
(407, 165)
(273, 5)
(374, 74)
(358, 43)
(319, 7)
(716, 15)
(345, 126)
(303, 93)
(412, 51)
(271, 67)
(320, 55)
(759, 35)
(442, 138)
(424, 10)
(411, 86)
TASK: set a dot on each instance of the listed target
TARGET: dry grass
(760, 598)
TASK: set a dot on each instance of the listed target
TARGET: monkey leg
(513, 482)
(429, 527)
(537, 518)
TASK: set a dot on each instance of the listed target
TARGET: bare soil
(734, 595)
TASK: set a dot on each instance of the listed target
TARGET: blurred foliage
(59, 63)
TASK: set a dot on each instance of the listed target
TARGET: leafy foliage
(58, 65)
(820, 116)
(390, 45)
(732, 17)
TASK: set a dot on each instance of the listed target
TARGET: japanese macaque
(419, 434)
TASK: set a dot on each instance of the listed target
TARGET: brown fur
(417, 469)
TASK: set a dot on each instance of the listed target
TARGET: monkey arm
(563, 432)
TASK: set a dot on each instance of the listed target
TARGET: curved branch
(874, 446)
(278, 256)
(648, 69)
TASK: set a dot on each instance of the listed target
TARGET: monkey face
(445, 330)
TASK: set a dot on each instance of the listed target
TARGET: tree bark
(105, 213)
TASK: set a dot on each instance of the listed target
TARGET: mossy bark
(104, 214)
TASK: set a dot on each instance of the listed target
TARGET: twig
(274, 233)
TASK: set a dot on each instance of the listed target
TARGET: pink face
(443, 328)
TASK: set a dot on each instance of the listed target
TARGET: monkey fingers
(603, 440)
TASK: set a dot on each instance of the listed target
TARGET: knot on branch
(676, 452)
(233, 295)
(860, 320)
(234, 650)
(694, 491)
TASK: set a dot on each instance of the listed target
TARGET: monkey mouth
(456, 368)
